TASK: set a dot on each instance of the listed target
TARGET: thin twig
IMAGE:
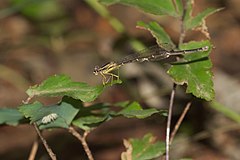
(179, 121)
(82, 139)
(49, 150)
(34, 149)
(181, 38)
(169, 120)
(183, 31)
(35, 144)
(182, 35)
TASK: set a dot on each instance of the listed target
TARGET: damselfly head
(96, 70)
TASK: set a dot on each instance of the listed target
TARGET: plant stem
(169, 120)
(49, 150)
(179, 122)
(34, 149)
(83, 141)
(102, 10)
(168, 142)
(182, 31)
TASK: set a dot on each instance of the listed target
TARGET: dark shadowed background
(70, 37)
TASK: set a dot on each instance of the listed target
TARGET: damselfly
(154, 53)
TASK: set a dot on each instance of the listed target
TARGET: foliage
(92, 116)
(191, 22)
(194, 70)
(143, 149)
(197, 75)
(61, 85)
(10, 116)
(66, 110)
(157, 32)
(157, 7)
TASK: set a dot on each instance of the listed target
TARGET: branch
(49, 150)
(83, 141)
(35, 143)
(34, 149)
(169, 120)
(183, 31)
(180, 121)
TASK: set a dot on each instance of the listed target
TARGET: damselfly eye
(96, 70)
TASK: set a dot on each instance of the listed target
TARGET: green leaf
(226, 111)
(92, 116)
(143, 149)
(157, 31)
(66, 110)
(157, 7)
(179, 7)
(191, 22)
(134, 110)
(89, 122)
(195, 71)
(10, 116)
(197, 21)
(29, 110)
(61, 85)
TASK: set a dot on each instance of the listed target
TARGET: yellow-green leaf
(195, 71)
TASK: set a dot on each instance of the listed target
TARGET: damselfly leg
(110, 77)
(105, 72)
